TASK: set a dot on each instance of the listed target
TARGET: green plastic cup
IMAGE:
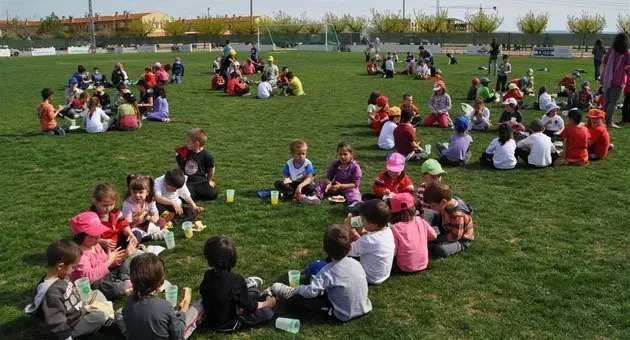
(171, 294)
(84, 289)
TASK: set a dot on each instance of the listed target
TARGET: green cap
(433, 167)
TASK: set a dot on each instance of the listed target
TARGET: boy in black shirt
(198, 164)
(230, 301)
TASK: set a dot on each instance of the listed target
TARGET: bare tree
(623, 23)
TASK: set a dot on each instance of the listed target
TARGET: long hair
(137, 183)
(505, 133)
(621, 44)
(94, 104)
(373, 96)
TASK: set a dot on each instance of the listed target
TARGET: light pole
(208, 15)
(251, 15)
(403, 17)
(91, 27)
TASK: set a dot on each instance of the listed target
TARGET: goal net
(290, 36)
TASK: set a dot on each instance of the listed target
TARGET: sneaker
(614, 126)
(254, 282)
(266, 292)
(312, 200)
(282, 291)
(166, 120)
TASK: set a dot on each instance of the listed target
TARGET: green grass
(550, 258)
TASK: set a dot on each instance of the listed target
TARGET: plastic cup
(289, 325)
(294, 278)
(356, 222)
(169, 238)
(188, 229)
(275, 196)
(229, 194)
(84, 289)
(171, 294)
(428, 149)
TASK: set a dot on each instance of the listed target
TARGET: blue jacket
(178, 69)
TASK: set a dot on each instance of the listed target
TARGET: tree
(283, 18)
(51, 26)
(313, 26)
(481, 22)
(386, 22)
(140, 28)
(175, 27)
(338, 23)
(586, 25)
(623, 23)
(432, 23)
(242, 28)
(533, 24)
(355, 24)
(210, 27)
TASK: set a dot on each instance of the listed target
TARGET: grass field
(550, 258)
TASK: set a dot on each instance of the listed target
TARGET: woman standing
(616, 70)
(598, 54)
(495, 50)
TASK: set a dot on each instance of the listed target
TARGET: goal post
(270, 31)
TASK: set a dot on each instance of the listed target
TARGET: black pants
(299, 304)
(597, 64)
(241, 92)
(289, 189)
(189, 213)
(202, 191)
(486, 160)
(625, 111)
(260, 316)
(113, 284)
(524, 155)
(389, 74)
(501, 83)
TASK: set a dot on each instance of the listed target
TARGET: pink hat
(157, 64)
(395, 162)
(511, 101)
(401, 201)
(89, 223)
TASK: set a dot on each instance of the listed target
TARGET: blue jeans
(612, 96)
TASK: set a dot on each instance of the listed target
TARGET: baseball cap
(395, 162)
(87, 222)
(393, 111)
(484, 80)
(433, 167)
(552, 107)
(401, 201)
(461, 123)
(596, 113)
(232, 52)
(512, 86)
(382, 101)
(73, 80)
(510, 101)
(270, 58)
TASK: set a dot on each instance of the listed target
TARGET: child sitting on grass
(230, 301)
(217, 82)
(343, 178)
(511, 115)
(553, 123)
(411, 235)
(480, 117)
(340, 288)
(586, 97)
(160, 111)
(94, 118)
(107, 272)
(537, 150)
(170, 189)
(56, 302)
(422, 72)
(431, 173)
(405, 138)
(513, 92)
(457, 231)
(545, 100)
(458, 150)
(128, 117)
(393, 180)
(386, 138)
(484, 92)
(265, 90)
(575, 141)
(599, 143)
(500, 152)
(235, 87)
(298, 175)
(139, 209)
(147, 316)
(47, 114)
(374, 245)
(372, 108)
(573, 100)
(408, 104)
(439, 104)
(472, 90)
(119, 233)
(198, 164)
(294, 88)
(381, 115)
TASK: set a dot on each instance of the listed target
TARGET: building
(112, 23)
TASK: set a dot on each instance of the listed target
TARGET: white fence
(79, 50)
(43, 51)
(5, 52)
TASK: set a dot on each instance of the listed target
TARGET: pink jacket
(91, 265)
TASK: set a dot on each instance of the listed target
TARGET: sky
(509, 9)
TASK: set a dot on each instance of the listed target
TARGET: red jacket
(116, 224)
(395, 185)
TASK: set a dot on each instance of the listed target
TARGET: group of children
(422, 68)
(99, 112)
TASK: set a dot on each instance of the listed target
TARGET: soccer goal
(277, 36)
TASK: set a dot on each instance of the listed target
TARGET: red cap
(381, 101)
(475, 81)
(89, 223)
(596, 113)
(401, 201)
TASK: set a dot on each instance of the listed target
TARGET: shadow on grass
(34, 259)
(17, 134)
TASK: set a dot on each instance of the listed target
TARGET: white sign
(552, 52)
(44, 51)
(146, 48)
(186, 48)
(478, 49)
(5, 52)
(78, 50)
(119, 49)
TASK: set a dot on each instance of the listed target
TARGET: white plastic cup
(169, 238)
(84, 289)
(188, 229)
(289, 325)
(294, 278)
(427, 148)
(275, 196)
(356, 222)
(229, 195)
(171, 294)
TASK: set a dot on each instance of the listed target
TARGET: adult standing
(271, 70)
(495, 50)
(425, 54)
(598, 55)
(615, 76)
(227, 49)
(377, 44)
